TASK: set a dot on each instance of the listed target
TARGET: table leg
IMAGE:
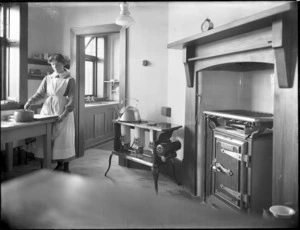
(155, 174)
(9, 155)
(47, 147)
(109, 163)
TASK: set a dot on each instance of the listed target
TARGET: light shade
(124, 19)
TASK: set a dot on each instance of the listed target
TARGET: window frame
(3, 55)
(96, 60)
(21, 44)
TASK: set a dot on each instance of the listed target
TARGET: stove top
(243, 115)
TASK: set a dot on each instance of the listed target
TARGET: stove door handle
(220, 168)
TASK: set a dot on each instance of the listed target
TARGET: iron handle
(219, 168)
(235, 155)
(215, 168)
(235, 194)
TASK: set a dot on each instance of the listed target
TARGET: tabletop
(12, 124)
(48, 199)
(151, 125)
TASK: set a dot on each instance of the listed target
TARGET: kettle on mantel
(129, 113)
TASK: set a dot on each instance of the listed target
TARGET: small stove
(242, 115)
(239, 159)
(243, 122)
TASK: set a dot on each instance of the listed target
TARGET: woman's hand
(62, 116)
(27, 106)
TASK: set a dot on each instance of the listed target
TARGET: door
(77, 70)
(229, 176)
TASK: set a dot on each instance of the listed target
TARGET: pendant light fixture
(124, 19)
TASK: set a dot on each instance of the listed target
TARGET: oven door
(228, 170)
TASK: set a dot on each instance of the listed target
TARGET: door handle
(219, 168)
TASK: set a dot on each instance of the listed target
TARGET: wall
(253, 90)
(49, 31)
(185, 20)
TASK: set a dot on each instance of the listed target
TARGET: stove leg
(109, 163)
(155, 173)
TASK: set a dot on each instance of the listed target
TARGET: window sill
(11, 106)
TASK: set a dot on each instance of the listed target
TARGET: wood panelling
(189, 162)
(247, 34)
(200, 106)
(286, 132)
(123, 64)
(262, 56)
(283, 30)
(76, 64)
(110, 115)
(98, 124)
(188, 53)
(249, 41)
(23, 87)
(244, 25)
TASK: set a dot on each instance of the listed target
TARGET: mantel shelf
(253, 22)
(264, 37)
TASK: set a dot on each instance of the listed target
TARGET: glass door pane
(89, 72)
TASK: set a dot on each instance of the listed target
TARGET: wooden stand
(138, 154)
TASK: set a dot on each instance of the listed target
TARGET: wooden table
(12, 131)
(55, 200)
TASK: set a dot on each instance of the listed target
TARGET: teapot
(129, 113)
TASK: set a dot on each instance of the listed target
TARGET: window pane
(13, 79)
(14, 25)
(90, 46)
(89, 78)
(1, 20)
(100, 79)
(100, 51)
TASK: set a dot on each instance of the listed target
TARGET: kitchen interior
(223, 99)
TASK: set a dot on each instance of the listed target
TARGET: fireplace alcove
(265, 43)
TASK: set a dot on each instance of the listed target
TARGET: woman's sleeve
(71, 95)
(40, 93)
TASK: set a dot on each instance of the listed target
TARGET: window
(13, 62)
(102, 66)
(94, 66)
(4, 46)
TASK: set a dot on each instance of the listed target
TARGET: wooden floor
(175, 208)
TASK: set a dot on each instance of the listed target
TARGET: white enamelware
(281, 211)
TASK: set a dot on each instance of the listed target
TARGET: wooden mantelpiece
(268, 30)
(268, 40)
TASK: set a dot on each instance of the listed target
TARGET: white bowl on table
(282, 212)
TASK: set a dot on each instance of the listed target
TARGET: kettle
(129, 113)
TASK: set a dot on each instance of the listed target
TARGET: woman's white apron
(63, 133)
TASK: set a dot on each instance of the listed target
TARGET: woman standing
(59, 89)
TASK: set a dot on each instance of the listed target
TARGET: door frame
(77, 35)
